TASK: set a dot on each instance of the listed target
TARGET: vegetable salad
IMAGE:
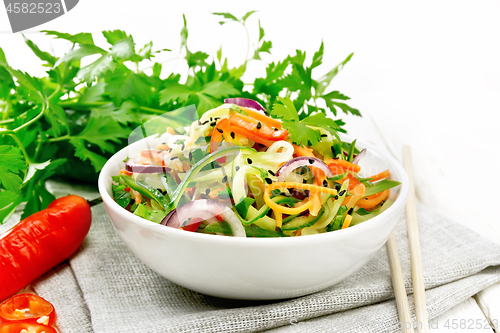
(239, 172)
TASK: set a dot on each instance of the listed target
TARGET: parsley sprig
(71, 120)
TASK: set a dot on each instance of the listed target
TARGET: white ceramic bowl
(256, 268)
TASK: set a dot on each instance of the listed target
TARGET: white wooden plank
(489, 302)
(465, 317)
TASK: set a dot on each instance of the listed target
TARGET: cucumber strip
(338, 202)
(257, 187)
(214, 174)
(176, 195)
(357, 219)
(255, 231)
(302, 221)
(380, 186)
(146, 190)
(253, 214)
(239, 187)
(327, 216)
(309, 231)
(251, 231)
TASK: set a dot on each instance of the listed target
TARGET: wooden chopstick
(399, 286)
(415, 254)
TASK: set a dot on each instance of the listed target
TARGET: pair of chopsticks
(416, 263)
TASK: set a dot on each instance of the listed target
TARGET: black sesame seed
(324, 135)
(163, 143)
(341, 193)
(220, 131)
(182, 147)
(249, 161)
(259, 125)
(325, 183)
(213, 123)
(233, 135)
(159, 151)
(333, 150)
(224, 179)
(304, 181)
(207, 191)
(173, 158)
(350, 211)
(205, 122)
(271, 172)
(199, 122)
(216, 118)
(311, 161)
(336, 197)
(237, 168)
(190, 155)
(338, 186)
(211, 119)
(275, 129)
(269, 181)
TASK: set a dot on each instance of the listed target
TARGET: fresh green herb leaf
(122, 197)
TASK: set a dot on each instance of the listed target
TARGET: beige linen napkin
(123, 295)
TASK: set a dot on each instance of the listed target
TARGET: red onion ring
(131, 166)
(246, 103)
(204, 209)
(301, 161)
(359, 156)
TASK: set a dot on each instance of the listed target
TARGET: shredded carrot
(347, 221)
(252, 136)
(125, 172)
(358, 191)
(353, 181)
(170, 130)
(294, 210)
(162, 146)
(382, 175)
(279, 219)
(319, 177)
(303, 151)
(342, 163)
(298, 232)
(373, 200)
(215, 193)
(152, 155)
(137, 196)
(265, 119)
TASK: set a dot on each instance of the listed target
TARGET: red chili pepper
(41, 241)
(31, 328)
(192, 227)
(27, 308)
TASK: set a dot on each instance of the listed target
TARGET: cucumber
(146, 190)
(251, 231)
(254, 214)
(302, 221)
(177, 194)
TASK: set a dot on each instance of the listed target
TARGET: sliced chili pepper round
(27, 308)
(31, 328)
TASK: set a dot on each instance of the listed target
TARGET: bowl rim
(395, 167)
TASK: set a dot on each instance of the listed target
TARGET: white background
(424, 73)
